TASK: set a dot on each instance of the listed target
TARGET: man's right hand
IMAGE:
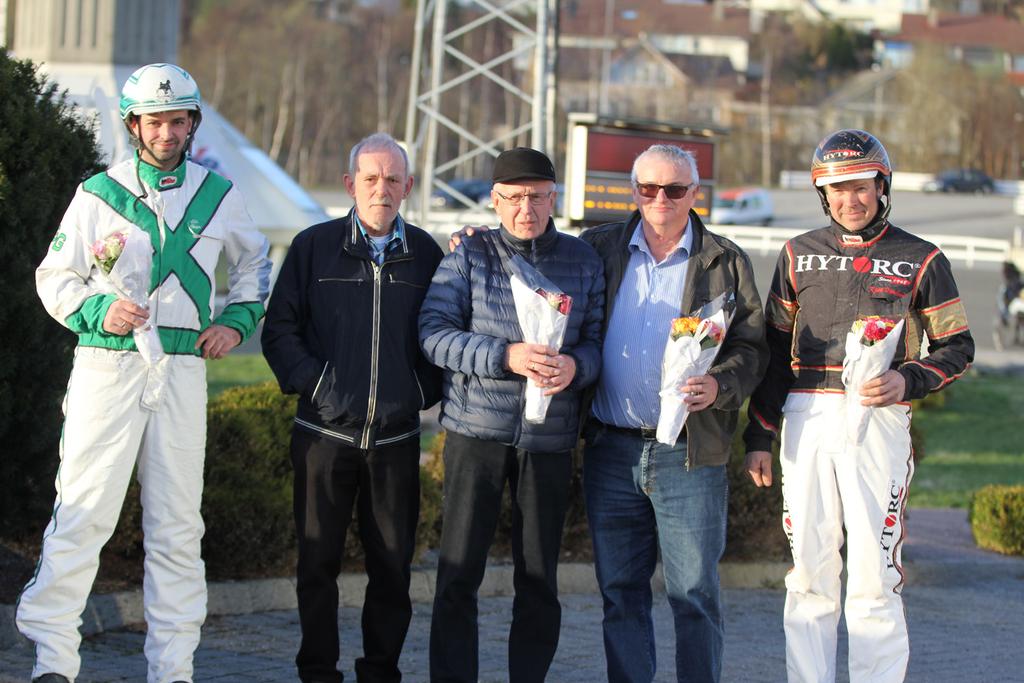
(467, 231)
(528, 359)
(123, 317)
(759, 467)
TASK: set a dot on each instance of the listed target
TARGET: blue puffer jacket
(468, 319)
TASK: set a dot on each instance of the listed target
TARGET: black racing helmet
(850, 154)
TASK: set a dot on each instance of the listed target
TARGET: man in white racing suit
(122, 410)
(860, 265)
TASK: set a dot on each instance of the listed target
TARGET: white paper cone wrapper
(541, 324)
(131, 276)
(684, 359)
(864, 363)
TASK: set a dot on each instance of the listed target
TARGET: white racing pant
(829, 483)
(106, 433)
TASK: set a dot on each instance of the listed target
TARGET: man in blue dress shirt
(642, 495)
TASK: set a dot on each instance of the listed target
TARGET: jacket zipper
(371, 403)
(522, 415)
(154, 312)
(423, 397)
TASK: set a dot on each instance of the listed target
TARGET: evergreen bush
(754, 531)
(247, 490)
(997, 518)
(46, 150)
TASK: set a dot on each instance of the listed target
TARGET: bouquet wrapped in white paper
(870, 347)
(692, 346)
(543, 313)
(126, 258)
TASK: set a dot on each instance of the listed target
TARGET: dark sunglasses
(650, 190)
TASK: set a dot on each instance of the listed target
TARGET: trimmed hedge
(247, 491)
(247, 501)
(754, 529)
(997, 518)
(247, 494)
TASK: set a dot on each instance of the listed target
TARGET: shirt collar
(397, 232)
(161, 180)
(685, 243)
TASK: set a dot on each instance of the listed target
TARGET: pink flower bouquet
(126, 259)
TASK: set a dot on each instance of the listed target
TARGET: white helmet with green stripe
(156, 88)
(159, 87)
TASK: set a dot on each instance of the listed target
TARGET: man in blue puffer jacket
(468, 327)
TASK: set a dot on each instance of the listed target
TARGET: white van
(742, 206)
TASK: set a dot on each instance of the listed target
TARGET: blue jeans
(641, 497)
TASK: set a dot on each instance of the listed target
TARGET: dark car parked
(961, 180)
(476, 189)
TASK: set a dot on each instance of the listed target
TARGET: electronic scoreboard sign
(600, 156)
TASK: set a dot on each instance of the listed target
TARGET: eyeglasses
(535, 198)
(650, 190)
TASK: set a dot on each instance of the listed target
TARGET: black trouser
(474, 479)
(384, 482)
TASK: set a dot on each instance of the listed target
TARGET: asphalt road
(920, 213)
(943, 214)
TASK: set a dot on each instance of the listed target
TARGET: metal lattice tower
(494, 59)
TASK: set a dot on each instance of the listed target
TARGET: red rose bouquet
(870, 348)
(543, 314)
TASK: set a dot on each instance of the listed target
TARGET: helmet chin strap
(197, 118)
(186, 150)
(136, 142)
(886, 205)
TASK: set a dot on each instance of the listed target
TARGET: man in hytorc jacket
(860, 265)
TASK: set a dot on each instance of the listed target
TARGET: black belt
(645, 433)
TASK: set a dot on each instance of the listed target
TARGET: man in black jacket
(341, 331)
(643, 495)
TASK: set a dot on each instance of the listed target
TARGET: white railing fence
(971, 250)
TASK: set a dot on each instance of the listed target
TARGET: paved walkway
(965, 608)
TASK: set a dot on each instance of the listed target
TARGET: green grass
(972, 441)
(236, 370)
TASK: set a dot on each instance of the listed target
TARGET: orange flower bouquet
(693, 344)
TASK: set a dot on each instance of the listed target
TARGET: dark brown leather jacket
(716, 266)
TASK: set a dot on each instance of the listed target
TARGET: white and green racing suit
(191, 217)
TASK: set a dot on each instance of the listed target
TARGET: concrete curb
(117, 610)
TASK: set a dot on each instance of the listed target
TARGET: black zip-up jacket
(716, 265)
(828, 278)
(341, 332)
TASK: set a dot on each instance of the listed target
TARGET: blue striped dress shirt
(647, 301)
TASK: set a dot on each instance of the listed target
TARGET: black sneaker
(51, 678)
